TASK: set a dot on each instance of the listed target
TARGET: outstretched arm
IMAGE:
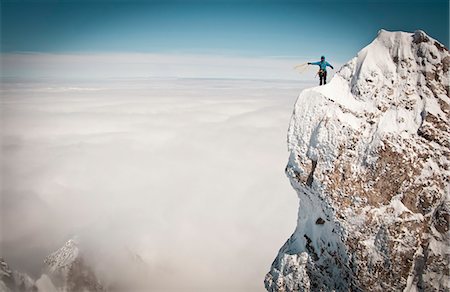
(329, 65)
(315, 63)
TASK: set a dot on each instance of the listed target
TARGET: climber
(322, 69)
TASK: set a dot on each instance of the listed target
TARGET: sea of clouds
(168, 182)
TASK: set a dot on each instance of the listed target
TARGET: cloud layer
(147, 65)
(186, 173)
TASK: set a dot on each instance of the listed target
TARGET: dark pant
(323, 77)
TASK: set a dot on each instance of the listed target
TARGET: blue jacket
(323, 65)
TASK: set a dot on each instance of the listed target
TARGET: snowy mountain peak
(5, 271)
(68, 270)
(11, 280)
(369, 160)
(63, 257)
(396, 63)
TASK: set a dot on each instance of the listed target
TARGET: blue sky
(308, 29)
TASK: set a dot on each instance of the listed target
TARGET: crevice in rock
(310, 248)
(424, 135)
(310, 178)
(441, 218)
(320, 221)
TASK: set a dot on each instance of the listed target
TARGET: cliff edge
(369, 159)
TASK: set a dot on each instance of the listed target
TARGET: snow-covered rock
(369, 159)
(11, 280)
(68, 271)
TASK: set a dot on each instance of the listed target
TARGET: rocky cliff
(68, 270)
(369, 159)
(11, 280)
(65, 270)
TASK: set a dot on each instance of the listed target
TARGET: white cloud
(145, 65)
(186, 172)
(189, 172)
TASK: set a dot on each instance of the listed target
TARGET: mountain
(68, 270)
(11, 280)
(369, 159)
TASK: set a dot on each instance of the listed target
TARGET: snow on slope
(67, 270)
(64, 257)
(11, 280)
(369, 159)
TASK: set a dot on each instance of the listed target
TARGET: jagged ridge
(11, 280)
(69, 272)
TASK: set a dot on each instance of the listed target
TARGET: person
(322, 69)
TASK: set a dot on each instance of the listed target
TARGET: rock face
(68, 271)
(11, 280)
(369, 159)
